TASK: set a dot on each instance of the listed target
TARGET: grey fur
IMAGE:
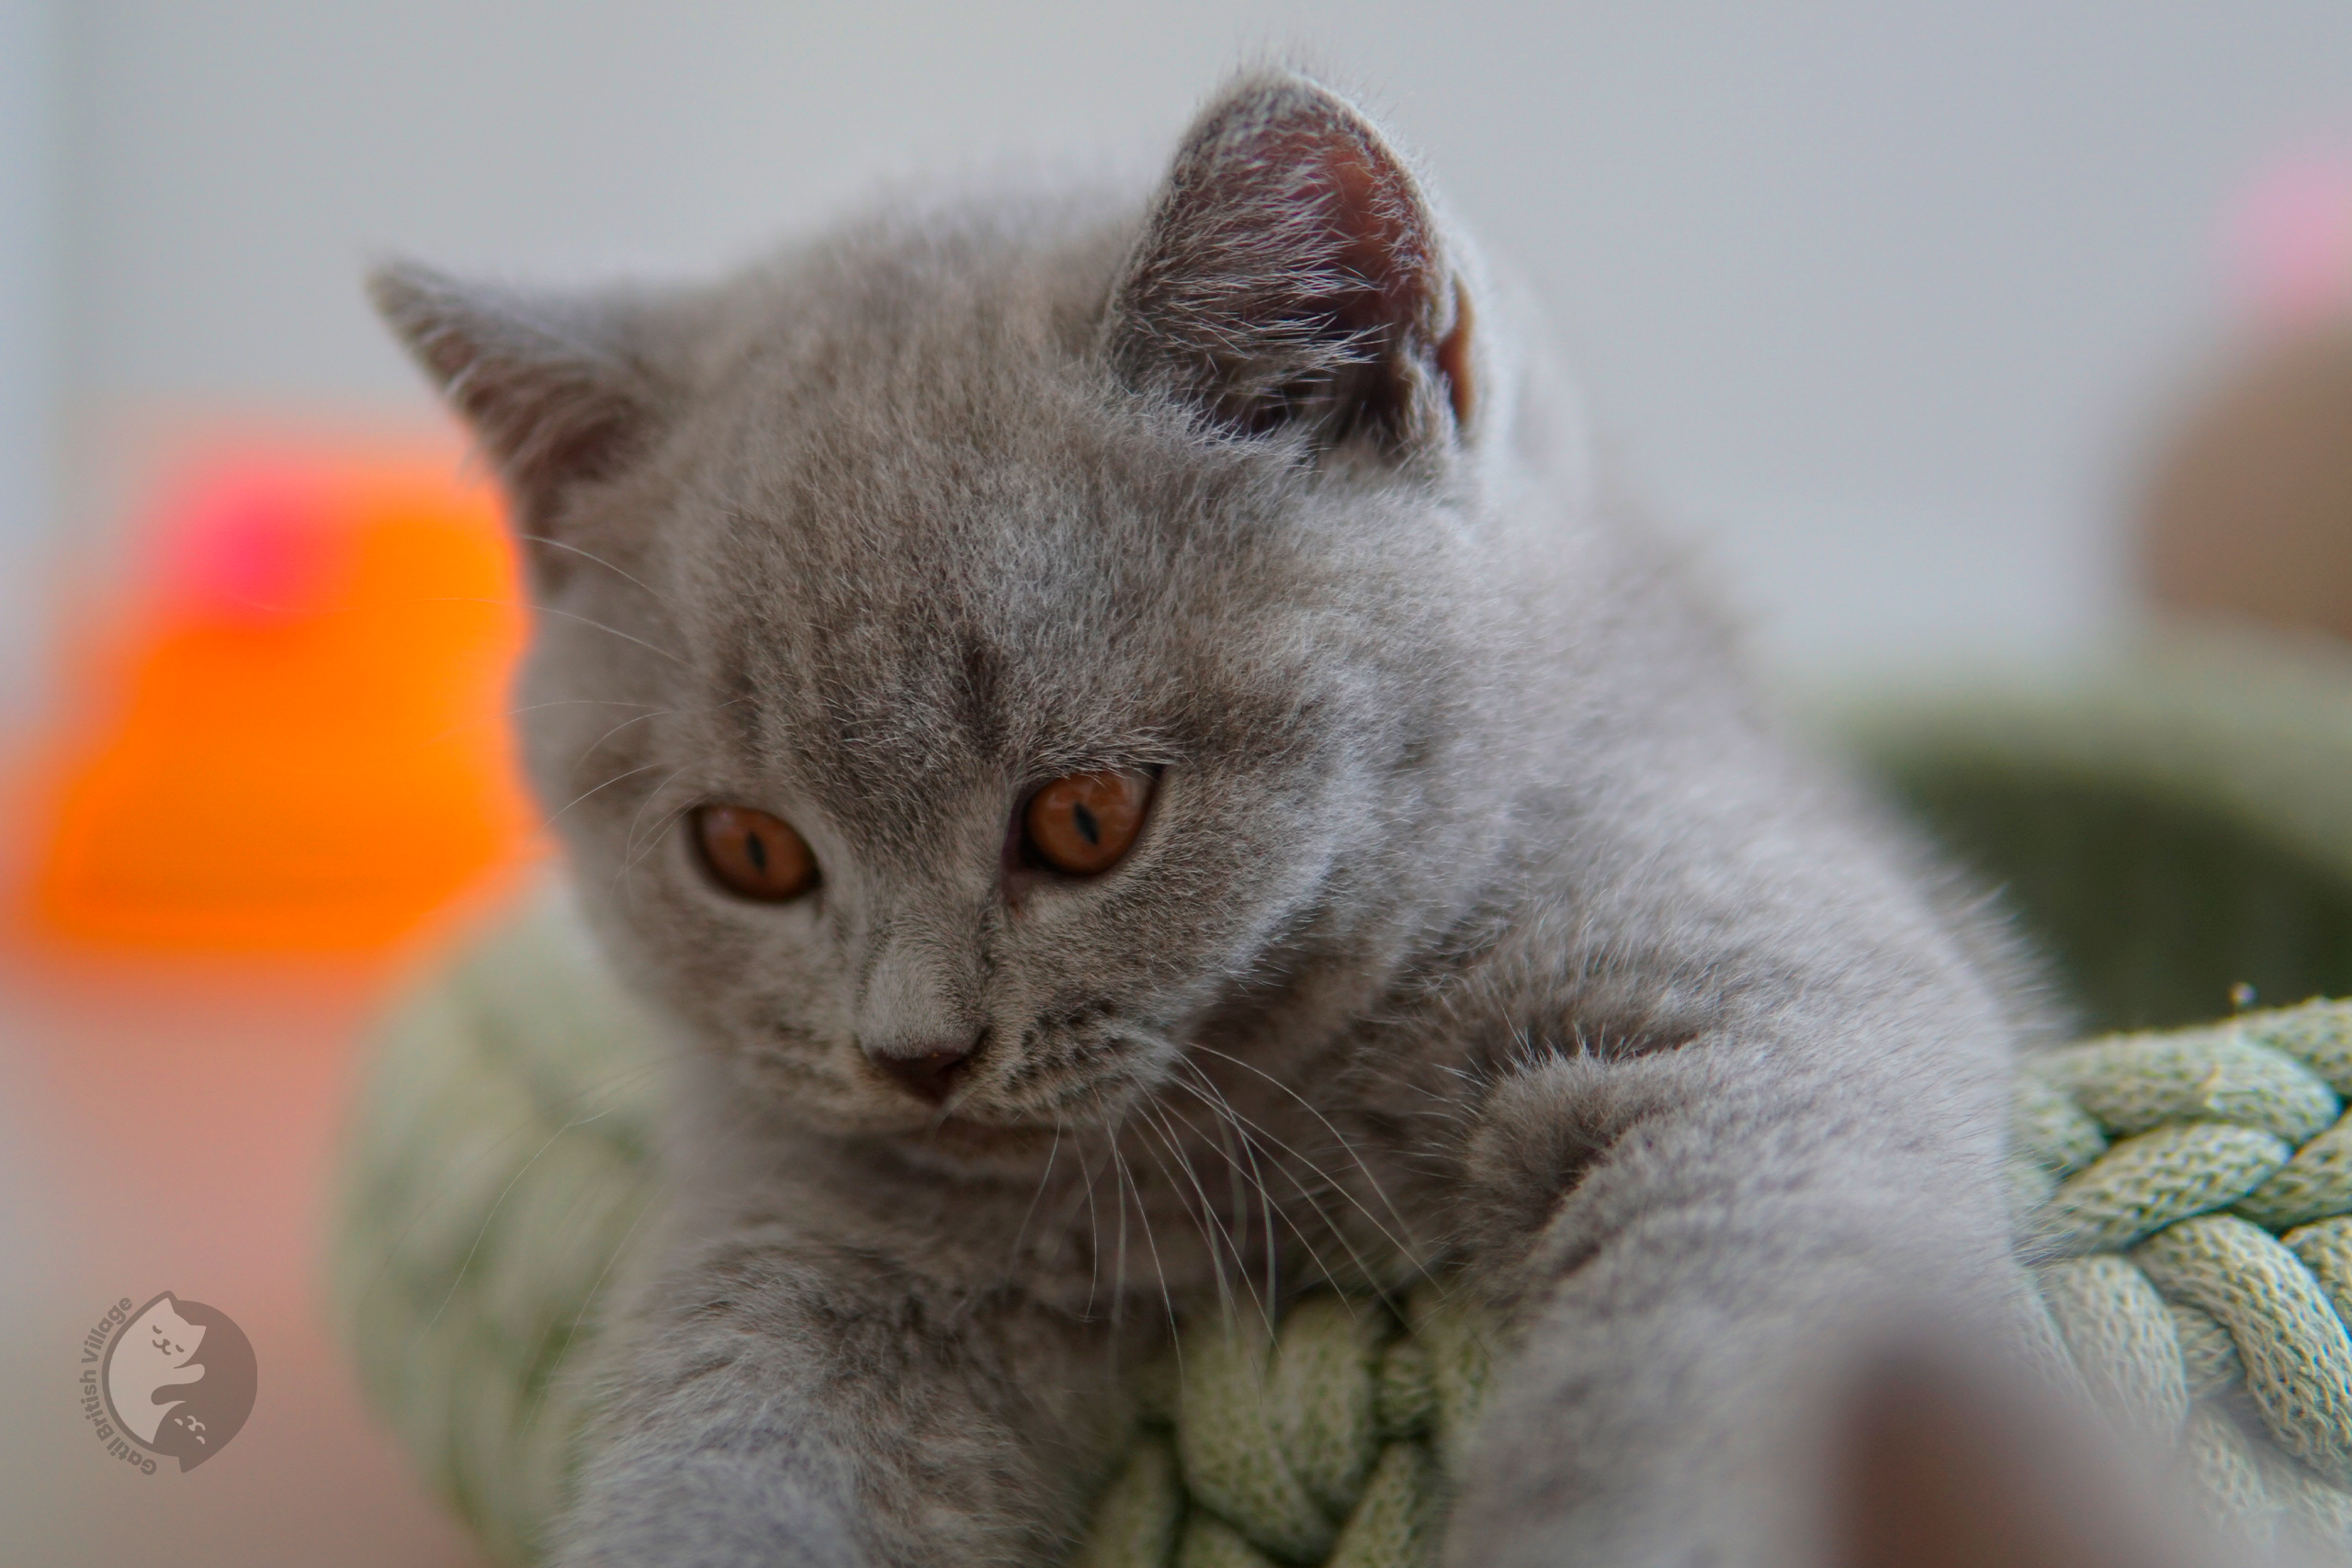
(1482, 918)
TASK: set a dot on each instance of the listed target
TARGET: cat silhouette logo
(176, 1379)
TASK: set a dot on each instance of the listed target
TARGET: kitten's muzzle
(928, 1070)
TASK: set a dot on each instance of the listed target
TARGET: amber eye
(1084, 823)
(754, 854)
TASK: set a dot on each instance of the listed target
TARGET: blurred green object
(499, 1155)
(2168, 826)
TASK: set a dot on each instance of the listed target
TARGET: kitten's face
(897, 626)
(938, 515)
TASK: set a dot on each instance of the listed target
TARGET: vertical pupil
(758, 852)
(1086, 823)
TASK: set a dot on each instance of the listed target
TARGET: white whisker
(1331, 1228)
(549, 821)
(652, 712)
(585, 555)
(1346, 1146)
(568, 616)
(1044, 1176)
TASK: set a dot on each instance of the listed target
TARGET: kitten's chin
(959, 1146)
(975, 1132)
(966, 1136)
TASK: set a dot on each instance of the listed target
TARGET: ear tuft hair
(549, 383)
(1291, 274)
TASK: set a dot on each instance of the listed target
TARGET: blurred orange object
(296, 741)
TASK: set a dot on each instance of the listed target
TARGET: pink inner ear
(1369, 205)
(1453, 358)
(1292, 274)
(1383, 241)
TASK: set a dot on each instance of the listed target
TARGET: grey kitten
(1126, 732)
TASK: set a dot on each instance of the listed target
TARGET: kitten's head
(1002, 642)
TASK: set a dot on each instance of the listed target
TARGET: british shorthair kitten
(1151, 772)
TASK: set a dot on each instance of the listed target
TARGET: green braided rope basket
(2168, 824)
(2196, 1186)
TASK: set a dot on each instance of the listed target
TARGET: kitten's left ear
(1293, 275)
(559, 389)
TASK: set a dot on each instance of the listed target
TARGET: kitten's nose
(928, 1070)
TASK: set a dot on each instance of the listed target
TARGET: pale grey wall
(28, 310)
(1876, 292)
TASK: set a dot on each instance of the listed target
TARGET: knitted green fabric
(1319, 1441)
(2197, 1189)
(2194, 1189)
(494, 1174)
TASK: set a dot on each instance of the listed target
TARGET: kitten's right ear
(1292, 273)
(556, 387)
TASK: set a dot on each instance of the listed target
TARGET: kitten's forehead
(932, 532)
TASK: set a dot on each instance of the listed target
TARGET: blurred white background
(1879, 295)
(1882, 299)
